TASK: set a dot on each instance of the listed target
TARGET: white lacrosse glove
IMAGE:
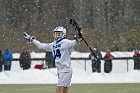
(28, 37)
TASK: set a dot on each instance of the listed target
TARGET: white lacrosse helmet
(59, 33)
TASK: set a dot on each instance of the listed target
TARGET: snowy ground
(119, 73)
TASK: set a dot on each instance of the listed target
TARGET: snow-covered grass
(119, 73)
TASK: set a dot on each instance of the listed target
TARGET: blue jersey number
(57, 53)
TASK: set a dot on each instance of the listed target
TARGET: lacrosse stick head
(74, 24)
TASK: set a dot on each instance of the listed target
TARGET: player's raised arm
(40, 45)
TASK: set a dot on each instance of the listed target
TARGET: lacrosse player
(61, 49)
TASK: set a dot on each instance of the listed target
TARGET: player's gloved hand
(28, 37)
(79, 36)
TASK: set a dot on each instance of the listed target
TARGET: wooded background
(106, 24)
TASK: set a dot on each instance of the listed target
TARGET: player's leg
(66, 90)
(59, 89)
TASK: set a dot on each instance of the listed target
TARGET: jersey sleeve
(45, 46)
(72, 43)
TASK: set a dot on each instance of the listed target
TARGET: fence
(84, 59)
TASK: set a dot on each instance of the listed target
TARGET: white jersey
(61, 51)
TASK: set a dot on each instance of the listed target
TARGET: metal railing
(85, 59)
(117, 58)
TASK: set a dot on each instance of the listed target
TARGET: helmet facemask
(59, 33)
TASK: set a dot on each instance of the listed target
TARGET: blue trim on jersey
(57, 41)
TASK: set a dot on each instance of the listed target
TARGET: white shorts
(64, 79)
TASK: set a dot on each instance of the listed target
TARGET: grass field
(75, 88)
